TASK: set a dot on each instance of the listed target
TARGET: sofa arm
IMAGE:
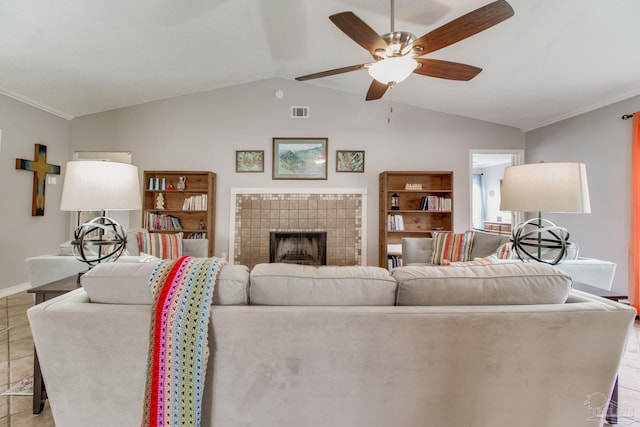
(416, 250)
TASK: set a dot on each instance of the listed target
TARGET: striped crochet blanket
(177, 359)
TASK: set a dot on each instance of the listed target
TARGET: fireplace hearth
(298, 247)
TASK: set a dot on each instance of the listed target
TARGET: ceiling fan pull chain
(390, 104)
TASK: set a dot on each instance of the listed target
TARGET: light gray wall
(24, 235)
(202, 132)
(602, 141)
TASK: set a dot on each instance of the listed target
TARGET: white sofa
(294, 346)
(498, 346)
(594, 272)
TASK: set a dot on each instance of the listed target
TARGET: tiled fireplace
(257, 213)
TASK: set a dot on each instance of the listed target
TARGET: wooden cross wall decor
(40, 169)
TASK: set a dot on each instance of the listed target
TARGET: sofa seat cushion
(128, 283)
(493, 284)
(292, 284)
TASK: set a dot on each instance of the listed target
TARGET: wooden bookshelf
(195, 218)
(415, 219)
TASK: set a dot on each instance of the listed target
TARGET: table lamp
(544, 187)
(100, 186)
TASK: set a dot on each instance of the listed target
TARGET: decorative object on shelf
(40, 169)
(395, 202)
(413, 187)
(160, 201)
(100, 186)
(163, 187)
(250, 161)
(300, 158)
(182, 183)
(349, 161)
(544, 187)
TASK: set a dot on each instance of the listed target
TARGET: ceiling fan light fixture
(393, 70)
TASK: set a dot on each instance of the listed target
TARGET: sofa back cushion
(292, 284)
(493, 284)
(128, 283)
(485, 244)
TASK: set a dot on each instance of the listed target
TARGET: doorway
(486, 170)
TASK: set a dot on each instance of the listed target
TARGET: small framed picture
(300, 158)
(349, 161)
(250, 161)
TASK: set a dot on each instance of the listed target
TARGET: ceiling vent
(299, 112)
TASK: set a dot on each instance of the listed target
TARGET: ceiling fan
(397, 53)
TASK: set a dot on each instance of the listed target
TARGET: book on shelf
(198, 235)
(395, 223)
(195, 203)
(162, 222)
(435, 203)
(394, 261)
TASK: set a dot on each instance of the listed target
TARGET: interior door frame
(518, 159)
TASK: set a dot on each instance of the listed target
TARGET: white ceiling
(552, 60)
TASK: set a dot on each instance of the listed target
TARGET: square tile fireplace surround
(257, 212)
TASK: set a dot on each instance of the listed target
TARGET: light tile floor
(16, 363)
(629, 382)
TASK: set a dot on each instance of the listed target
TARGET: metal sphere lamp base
(537, 237)
(98, 240)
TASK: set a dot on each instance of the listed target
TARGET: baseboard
(15, 289)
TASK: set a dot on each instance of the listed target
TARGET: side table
(43, 293)
(612, 410)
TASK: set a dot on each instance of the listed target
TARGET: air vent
(299, 112)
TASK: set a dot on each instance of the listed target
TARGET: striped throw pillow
(161, 245)
(506, 251)
(452, 247)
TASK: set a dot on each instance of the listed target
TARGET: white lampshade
(394, 69)
(98, 185)
(546, 187)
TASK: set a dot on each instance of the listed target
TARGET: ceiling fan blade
(376, 90)
(331, 72)
(464, 26)
(358, 31)
(446, 69)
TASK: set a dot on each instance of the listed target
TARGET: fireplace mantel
(255, 212)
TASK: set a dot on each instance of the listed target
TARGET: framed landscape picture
(300, 158)
(250, 161)
(349, 161)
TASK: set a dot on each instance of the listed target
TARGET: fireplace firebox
(298, 247)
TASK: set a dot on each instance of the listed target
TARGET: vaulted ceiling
(551, 60)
